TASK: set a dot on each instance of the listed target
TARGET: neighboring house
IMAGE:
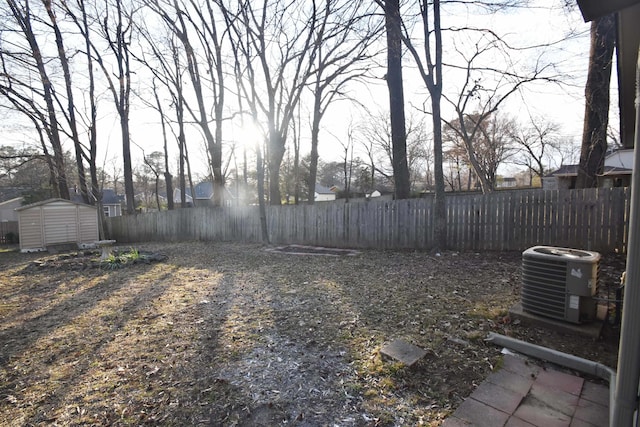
(381, 194)
(56, 221)
(324, 194)
(617, 170)
(111, 203)
(8, 209)
(618, 167)
(8, 193)
(506, 182)
(563, 178)
(203, 194)
(177, 197)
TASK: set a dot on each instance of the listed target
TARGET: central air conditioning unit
(560, 283)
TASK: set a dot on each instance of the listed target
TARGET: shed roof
(49, 201)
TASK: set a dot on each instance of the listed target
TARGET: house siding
(8, 209)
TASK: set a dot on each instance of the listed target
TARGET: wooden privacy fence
(8, 232)
(592, 219)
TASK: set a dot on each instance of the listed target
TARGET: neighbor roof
(8, 202)
(323, 190)
(572, 170)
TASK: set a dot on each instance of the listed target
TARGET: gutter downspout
(626, 397)
(562, 359)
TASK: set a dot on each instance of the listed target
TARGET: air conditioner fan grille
(544, 287)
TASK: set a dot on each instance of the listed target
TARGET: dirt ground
(226, 334)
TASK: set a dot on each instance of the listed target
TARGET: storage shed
(56, 221)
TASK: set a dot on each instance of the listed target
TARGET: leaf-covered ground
(234, 335)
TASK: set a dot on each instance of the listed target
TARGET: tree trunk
(434, 84)
(596, 117)
(261, 201)
(215, 150)
(276, 153)
(127, 169)
(313, 161)
(440, 219)
(189, 176)
(393, 25)
(168, 178)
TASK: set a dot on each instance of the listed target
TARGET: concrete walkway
(523, 394)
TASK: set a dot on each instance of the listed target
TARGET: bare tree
(165, 62)
(393, 25)
(273, 43)
(343, 38)
(375, 136)
(168, 178)
(458, 169)
(70, 112)
(154, 163)
(88, 151)
(596, 116)
(430, 68)
(195, 25)
(116, 29)
(539, 144)
(484, 90)
(30, 60)
(485, 148)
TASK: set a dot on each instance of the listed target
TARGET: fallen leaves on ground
(234, 335)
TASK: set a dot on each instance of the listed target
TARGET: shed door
(60, 224)
(87, 224)
(31, 229)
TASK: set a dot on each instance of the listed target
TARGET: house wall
(7, 209)
(620, 159)
(112, 210)
(550, 183)
(324, 197)
(561, 183)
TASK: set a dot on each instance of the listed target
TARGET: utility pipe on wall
(625, 402)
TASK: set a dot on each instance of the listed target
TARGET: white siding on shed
(57, 221)
(30, 229)
(60, 223)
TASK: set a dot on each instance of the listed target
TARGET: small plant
(118, 260)
(133, 255)
(112, 262)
